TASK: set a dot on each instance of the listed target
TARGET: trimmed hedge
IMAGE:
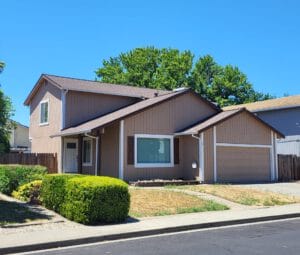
(29, 192)
(12, 176)
(53, 190)
(87, 199)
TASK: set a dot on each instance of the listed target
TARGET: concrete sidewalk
(51, 237)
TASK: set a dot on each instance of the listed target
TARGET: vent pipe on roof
(179, 89)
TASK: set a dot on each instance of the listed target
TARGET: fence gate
(288, 167)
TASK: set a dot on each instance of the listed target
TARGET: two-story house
(138, 133)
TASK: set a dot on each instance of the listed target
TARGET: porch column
(79, 156)
(121, 150)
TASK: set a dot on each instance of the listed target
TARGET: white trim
(276, 158)
(272, 167)
(91, 157)
(201, 157)
(121, 150)
(63, 108)
(40, 106)
(215, 153)
(96, 156)
(243, 145)
(154, 165)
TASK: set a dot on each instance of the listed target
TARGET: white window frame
(154, 165)
(40, 105)
(91, 157)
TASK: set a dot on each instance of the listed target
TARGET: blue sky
(71, 38)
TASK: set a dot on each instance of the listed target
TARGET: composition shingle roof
(218, 118)
(96, 87)
(272, 104)
(119, 114)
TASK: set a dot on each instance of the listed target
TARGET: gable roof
(104, 120)
(67, 83)
(220, 117)
(272, 104)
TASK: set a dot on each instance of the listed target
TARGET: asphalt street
(280, 237)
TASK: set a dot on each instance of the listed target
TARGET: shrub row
(86, 199)
(29, 192)
(12, 176)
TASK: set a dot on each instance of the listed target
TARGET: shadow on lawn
(16, 213)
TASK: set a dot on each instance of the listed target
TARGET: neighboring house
(283, 114)
(136, 133)
(19, 138)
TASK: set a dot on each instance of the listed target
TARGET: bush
(53, 190)
(86, 199)
(12, 176)
(29, 192)
(95, 199)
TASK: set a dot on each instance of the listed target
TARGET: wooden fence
(288, 167)
(48, 160)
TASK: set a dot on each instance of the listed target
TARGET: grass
(150, 202)
(245, 196)
(12, 213)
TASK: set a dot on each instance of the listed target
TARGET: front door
(70, 155)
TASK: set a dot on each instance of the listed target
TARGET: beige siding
(208, 156)
(243, 164)
(19, 137)
(244, 129)
(40, 135)
(190, 154)
(110, 151)
(82, 106)
(165, 118)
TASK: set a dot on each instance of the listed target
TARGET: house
(137, 133)
(19, 138)
(283, 114)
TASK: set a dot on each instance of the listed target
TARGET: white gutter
(97, 149)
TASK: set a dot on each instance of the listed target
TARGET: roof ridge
(100, 82)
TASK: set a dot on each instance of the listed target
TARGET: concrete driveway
(289, 188)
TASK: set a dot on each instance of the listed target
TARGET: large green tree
(170, 68)
(5, 114)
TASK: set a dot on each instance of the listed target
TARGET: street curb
(142, 233)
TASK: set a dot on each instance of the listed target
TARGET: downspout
(97, 149)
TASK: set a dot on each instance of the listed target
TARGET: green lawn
(12, 212)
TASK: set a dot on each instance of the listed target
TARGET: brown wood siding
(189, 155)
(82, 106)
(243, 129)
(243, 164)
(165, 118)
(208, 156)
(40, 135)
(110, 151)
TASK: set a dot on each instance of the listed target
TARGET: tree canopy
(168, 68)
(5, 122)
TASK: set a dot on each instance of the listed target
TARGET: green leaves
(168, 69)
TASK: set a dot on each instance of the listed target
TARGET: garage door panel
(239, 164)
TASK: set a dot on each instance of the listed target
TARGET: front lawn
(12, 213)
(245, 196)
(151, 202)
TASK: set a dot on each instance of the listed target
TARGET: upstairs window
(44, 112)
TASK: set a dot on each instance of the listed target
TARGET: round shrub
(53, 190)
(96, 199)
(29, 192)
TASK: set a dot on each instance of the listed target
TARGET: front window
(87, 152)
(44, 112)
(153, 151)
